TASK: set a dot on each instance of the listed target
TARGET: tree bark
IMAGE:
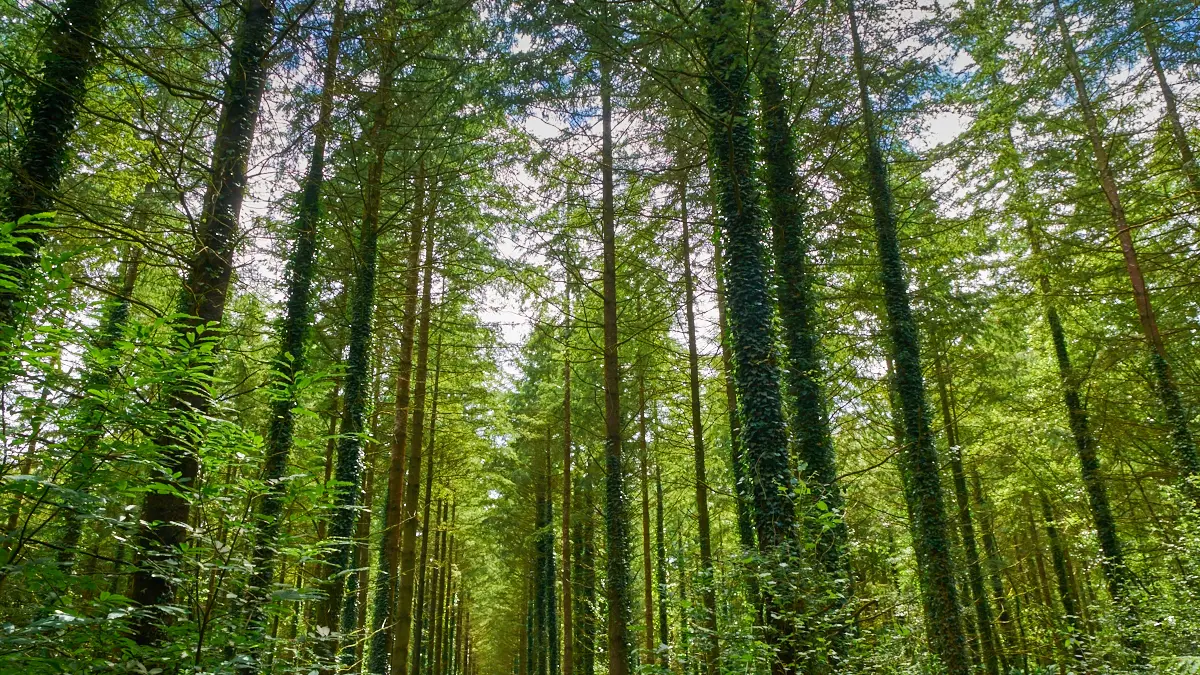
(1183, 444)
(620, 652)
(812, 443)
(568, 604)
(385, 589)
(419, 620)
(708, 590)
(166, 511)
(756, 369)
(647, 564)
(42, 156)
(412, 492)
(741, 485)
(294, 332)
(931, 536)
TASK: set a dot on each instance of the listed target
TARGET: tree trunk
(294, 332)
(756, 370)
(42, 156)
(1182, 441)
(737, 462)
(664, 638)
(616, 531)
(983, 610)
(708, 591)
(412, 492)
(994, 565)
(1152, 38)
(362, 556)
(812, 443)
(349, 450)
(166, 511)
(568, 606)
(385, 589)
(419, 620)
(439, 578)
(931, 536)
(647, 569)
(585, 626)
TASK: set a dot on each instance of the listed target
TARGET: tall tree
(293, 334)
(923, 493)
(756, 369)
(811, 439)
(389, 544)
(339, 608)
(412, 487)
(708, 592)
(616, 516)
(166, 508)
(568, 603)
(1177, 416)
(420, 618)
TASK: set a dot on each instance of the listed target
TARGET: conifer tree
(165, 510)
(1182, 441)
(756, 369)
(919, 461)
(293, 334)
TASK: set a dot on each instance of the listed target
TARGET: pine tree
(293, 334)
(1177, 416)
(756, 369)
(165, 510)
(919, 461)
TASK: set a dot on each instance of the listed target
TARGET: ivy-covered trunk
(42, 155)
(340, 609)
(1182, 442)
(919, 461)
(741, 483)
(750, 313)
(708, 591)
(166, 508)
(812, 443)
(294, 332)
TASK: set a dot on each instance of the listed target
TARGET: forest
(599, 337)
